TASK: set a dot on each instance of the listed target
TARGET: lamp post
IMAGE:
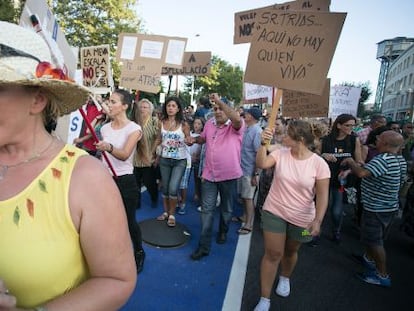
(192, 90)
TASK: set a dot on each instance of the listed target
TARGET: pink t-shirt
(291, 195)
(223, 145)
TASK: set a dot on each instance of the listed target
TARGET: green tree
(366, 92)
(7, 11)
(224, 79)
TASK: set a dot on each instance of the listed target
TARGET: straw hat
(25, 59)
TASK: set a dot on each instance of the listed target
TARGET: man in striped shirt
(382, 178)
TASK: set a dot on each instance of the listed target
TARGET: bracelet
(263, 143)
(111, 148)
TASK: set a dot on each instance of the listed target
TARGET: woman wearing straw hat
(63, 232)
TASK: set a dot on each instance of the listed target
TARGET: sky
(209, 26)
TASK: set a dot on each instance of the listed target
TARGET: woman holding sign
(290, 215)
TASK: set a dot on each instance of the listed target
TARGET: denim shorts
(275, 224)
(375, 227)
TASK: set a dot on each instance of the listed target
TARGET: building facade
(398, 98)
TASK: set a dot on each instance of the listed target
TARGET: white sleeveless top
(173, 145)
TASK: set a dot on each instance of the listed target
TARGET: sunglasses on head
(8, 51)
(43, 69)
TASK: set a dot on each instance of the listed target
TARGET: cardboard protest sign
(246, 22)
(298, 104)
(95, 65)
(294, 51)
(37, 15)
(139, 48)
(194, 64)
(145, 77)
(343, 99)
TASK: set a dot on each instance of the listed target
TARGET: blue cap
(255, 112)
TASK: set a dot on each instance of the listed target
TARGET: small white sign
(151, 49)
(175, 52)
(129, 44)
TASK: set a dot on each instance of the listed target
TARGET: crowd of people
(55, 198)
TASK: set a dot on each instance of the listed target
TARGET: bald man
(382, 178)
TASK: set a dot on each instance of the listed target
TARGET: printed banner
(253, 92)
(37, 15)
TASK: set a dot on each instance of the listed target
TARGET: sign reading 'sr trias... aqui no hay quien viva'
(95, 65)
(294, 50)
(246, 22)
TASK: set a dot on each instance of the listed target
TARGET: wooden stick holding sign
(96, 139)
(277, 96)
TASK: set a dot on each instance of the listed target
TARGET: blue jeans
(171, 173)
(209, 191)
(336, 207)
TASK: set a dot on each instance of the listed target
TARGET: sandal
(171, 221)
(244, 231)
(163, 216)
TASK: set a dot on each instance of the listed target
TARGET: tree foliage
(8, 12)
(366, 92)
(225, 79)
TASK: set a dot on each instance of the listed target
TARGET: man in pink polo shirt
(223, 136)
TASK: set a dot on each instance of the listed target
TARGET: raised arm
(232, 114)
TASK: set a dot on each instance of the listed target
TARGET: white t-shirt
(118, 139)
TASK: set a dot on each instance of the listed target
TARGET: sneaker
(375, 279)
(368, 264)
(199, 208)
(283, 287)
(181, 211)
(263, 305)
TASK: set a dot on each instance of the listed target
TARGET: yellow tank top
(40, 251)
